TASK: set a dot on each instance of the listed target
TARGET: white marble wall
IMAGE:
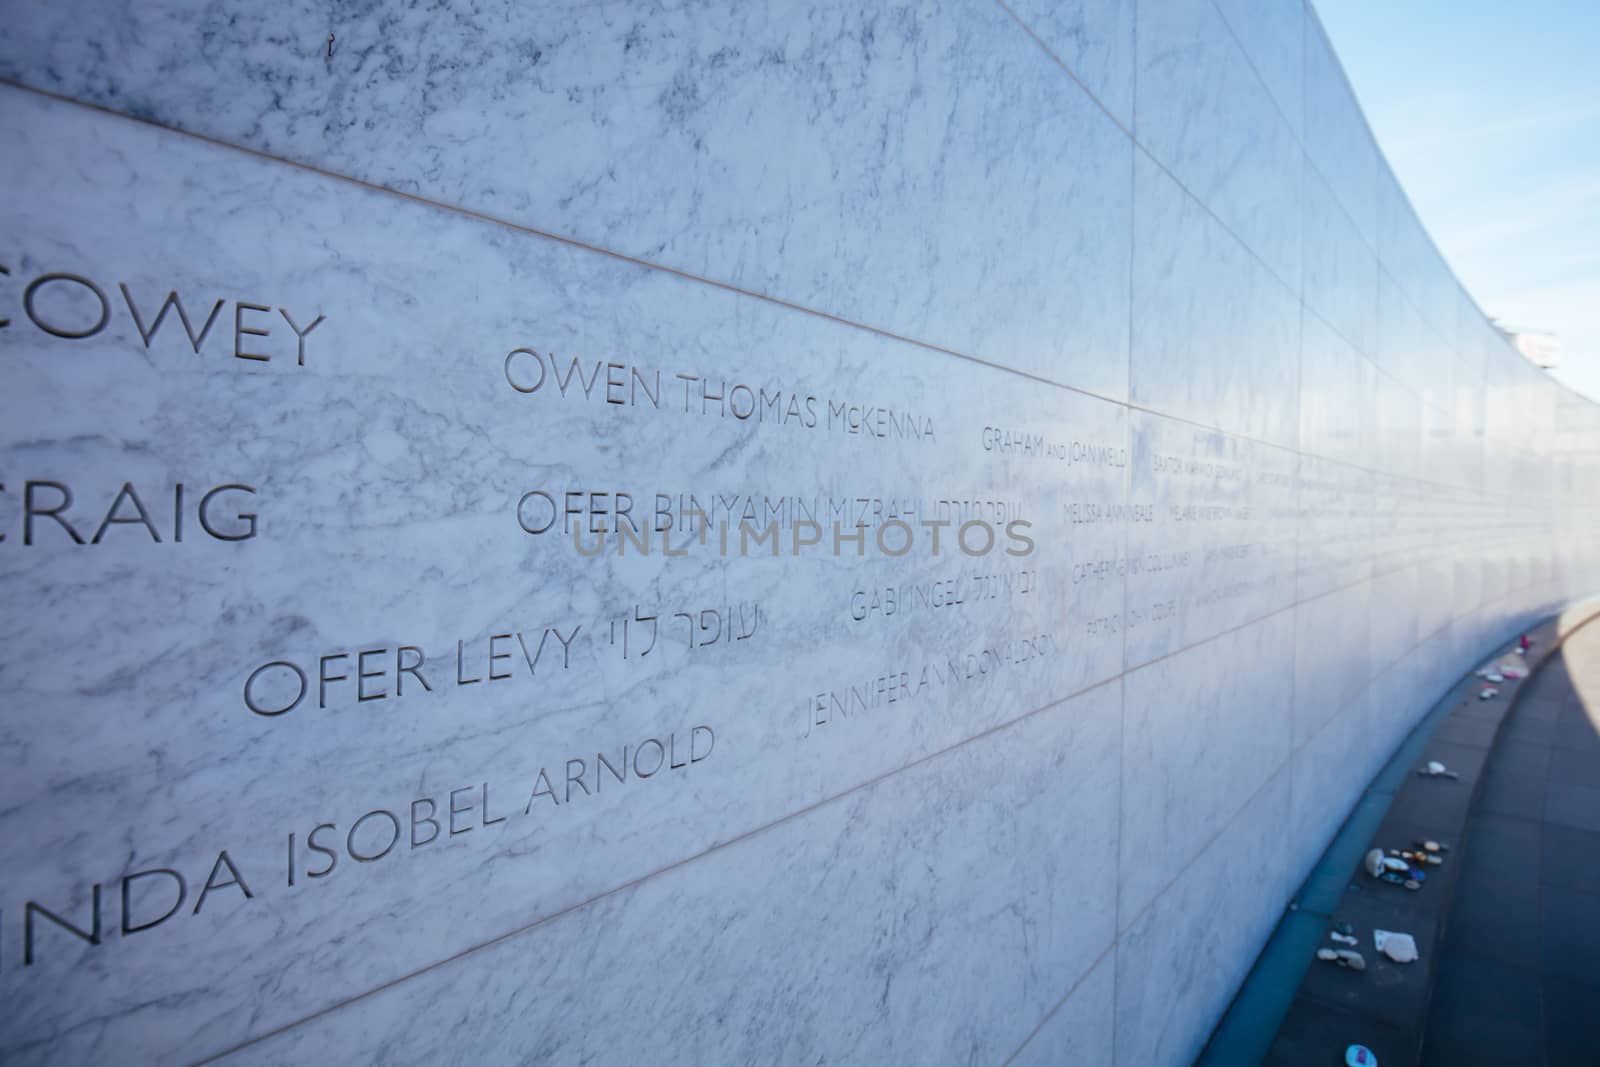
(1132, 271)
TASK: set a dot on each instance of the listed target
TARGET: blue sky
(1489, 113)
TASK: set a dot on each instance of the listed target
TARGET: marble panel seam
(801, 812)
(1262, 82)
(1338, 205)
(1322, 728)
(999, 727)
(780, 301)
(571, 242)
(1292, 290)
(1314, 22)
(1374, 576)
(1358, 349)
(1398, 516)
(1432, 327)
(1108, 953)
(1397, 660)
(664, 869)
(1301, 135)
(1299, 487)
(1127, 472)
(1298, 296)
(1204, 850)
(1127, 478)
(1056, 58)
(929, 346)
(1435, 632)
(783, 302)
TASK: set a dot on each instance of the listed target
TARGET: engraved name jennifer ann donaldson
(964, 670)
(150, 897)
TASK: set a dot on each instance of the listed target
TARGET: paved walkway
(1518, 977)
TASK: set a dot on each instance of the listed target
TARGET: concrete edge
(1248, 1027)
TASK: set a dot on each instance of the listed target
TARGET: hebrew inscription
(390, 592)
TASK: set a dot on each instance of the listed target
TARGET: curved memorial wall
(715, 534)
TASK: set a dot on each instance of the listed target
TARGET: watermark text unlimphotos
(893, 538)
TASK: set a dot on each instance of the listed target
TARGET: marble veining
(926, 169)
(370, 693)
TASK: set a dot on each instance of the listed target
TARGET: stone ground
(1518, 966)
(1507, 928)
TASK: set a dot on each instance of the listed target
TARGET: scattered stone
(1344, 957)
(1374, 862)
(1417, 858)
(1359, 1056)
(1402, 948)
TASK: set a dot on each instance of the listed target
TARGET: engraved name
(1038, 446)
(152, 896)
(52, 513)
(75, 308)
(630, 385)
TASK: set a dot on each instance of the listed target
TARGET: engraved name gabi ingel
(52, 514)
(431, 824)
(899, 601)
(634, 386)
(75, 308)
